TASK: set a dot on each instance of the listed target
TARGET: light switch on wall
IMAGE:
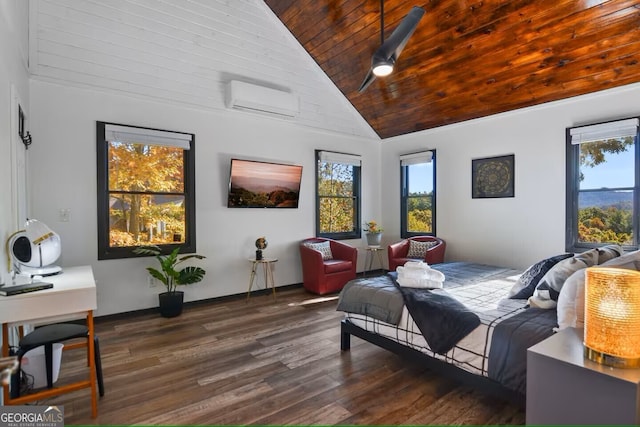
(64, 215)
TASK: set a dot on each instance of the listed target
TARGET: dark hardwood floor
(262, 362)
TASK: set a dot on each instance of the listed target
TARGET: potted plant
(171, 301)
(374, 233)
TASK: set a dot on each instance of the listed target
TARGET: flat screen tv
(254, 184)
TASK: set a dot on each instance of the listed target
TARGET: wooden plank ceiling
(468, 59)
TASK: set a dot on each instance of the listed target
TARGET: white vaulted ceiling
(182, 51)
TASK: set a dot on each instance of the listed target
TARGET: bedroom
(514, 232)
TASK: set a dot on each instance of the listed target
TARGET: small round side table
(368, 260)
(267, 268)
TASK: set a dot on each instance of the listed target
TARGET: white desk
(74, 291)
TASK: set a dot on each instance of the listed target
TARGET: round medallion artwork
(492, 177)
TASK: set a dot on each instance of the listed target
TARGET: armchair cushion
(323, 247)
(336, 266)
(419, 249)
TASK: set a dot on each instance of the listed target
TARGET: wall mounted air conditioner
(260, 99)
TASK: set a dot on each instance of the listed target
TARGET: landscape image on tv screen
(254, 184)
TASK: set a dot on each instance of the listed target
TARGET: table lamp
(34, 250)
(612, 317)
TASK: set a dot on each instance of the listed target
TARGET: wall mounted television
(254, 184)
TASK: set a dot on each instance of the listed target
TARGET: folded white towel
(419, 283)
(421, 265)
(429, 273)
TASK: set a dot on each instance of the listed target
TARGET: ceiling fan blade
(367, 80)
(392, 47)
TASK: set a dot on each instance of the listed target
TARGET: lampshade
(383, 68)
(37, 231)
(34, 249)
(612, 317)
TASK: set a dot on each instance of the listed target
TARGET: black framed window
(337, 195)
(146, 190)
(418, 194)
(603, 183)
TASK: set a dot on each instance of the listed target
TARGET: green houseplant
(171, 302)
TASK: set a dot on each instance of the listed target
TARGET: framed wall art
(492, 177)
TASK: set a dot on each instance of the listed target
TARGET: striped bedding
(481, 288)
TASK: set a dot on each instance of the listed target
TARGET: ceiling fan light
(383, 68)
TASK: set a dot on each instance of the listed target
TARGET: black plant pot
(171, 303)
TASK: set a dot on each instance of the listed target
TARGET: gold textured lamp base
(610, 360)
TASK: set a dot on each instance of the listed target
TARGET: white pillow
(571, 299)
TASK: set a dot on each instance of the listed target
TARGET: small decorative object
(172, 300)
(373, 232)
(492, 177)
(261, 243)
(612, 317)
(26, 137)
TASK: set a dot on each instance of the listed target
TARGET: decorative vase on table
(261, 244)
(374, 239)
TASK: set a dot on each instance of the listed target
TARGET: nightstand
(565, 388)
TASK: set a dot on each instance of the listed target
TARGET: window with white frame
(603, 180)
(418, 193)
(337, 195)
(146, 190)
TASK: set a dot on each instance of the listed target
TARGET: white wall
(63, 165)
(515, 231)
(14, 84)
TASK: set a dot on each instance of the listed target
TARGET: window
(418, 194)
(338, 195)
(602, 185)
(146, 190)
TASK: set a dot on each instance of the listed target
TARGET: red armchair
(397, 252)
(323, 276)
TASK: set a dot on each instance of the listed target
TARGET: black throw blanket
(442, 319)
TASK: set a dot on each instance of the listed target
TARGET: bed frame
(483, 383)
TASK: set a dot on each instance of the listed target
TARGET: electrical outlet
(152, 282)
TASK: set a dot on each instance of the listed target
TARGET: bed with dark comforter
(470, 324)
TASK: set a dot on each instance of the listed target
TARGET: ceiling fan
(385, 57)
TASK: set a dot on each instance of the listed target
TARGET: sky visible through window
(421, 178)
(617, 171)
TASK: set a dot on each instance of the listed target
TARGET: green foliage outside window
(607, 222)
(146, 194)
(420, 213)
(337, 199)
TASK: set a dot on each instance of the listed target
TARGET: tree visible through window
(417, 172)
(602, 185)
(145, 189)
(338, 195)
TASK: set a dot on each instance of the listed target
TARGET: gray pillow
(527, 282)
(549, 287)
(606, 253)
